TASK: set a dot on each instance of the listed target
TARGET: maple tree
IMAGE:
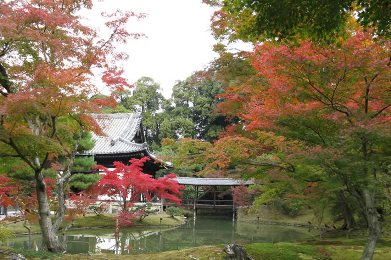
(46, 59)
(22, 196)
(327, 20)
(188, 155)
(128, 184)
(243, 196)
(335, 101)
(7, 190)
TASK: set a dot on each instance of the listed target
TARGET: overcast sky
(178, 42)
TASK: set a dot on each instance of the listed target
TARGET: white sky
(178, 42)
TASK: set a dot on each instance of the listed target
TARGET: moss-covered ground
(261, 251)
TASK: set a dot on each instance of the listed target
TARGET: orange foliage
(346, 81)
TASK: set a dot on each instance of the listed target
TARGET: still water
(202, 231)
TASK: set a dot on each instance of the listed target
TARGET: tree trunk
(124, 206)
(61, 181)
(49, 236)
(374, 225)
(347, 214)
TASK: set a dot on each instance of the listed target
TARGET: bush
(126, 219)
(143, 210)
(187, 213)
(291, 207)
(5, 234)
(173, 211)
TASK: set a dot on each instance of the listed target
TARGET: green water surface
(198, 232)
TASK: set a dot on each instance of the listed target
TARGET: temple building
(123, 140)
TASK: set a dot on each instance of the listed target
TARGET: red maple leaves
(339, 82)
(129, 184)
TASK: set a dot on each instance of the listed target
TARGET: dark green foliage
(147, 100)
(83, 163)
(15, 168)
(189, 192)
(291, 207)
(84, 166)
(313, 130)
(177, 126)
(376, 14)
(80, 182)
(325, 20)
(86, 142)
(192, 111)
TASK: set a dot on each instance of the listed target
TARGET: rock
(236, 252)
(17, 257)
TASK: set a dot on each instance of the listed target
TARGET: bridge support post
(195, 202)
(233, 212)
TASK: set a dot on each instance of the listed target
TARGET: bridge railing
(206, 202)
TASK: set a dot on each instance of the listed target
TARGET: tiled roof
(120, 130)
(211, 181)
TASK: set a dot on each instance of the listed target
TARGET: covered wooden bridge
(209, 193)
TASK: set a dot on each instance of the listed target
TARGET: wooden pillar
(161, 206)
(195, 201)
(214, 196)
(233, 212)
(233, 209)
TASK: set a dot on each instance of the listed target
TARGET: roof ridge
(132, 143)
(114, 115)
(132, 127)
(209, 178)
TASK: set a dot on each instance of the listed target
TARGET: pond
(202, 231)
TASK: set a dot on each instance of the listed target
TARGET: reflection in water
(202, 231)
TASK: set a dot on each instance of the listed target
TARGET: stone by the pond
(236, 252)
(16, 257)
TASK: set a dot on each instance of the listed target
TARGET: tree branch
(15, 147)
(380, 111)
(289, 168)
(4, 81)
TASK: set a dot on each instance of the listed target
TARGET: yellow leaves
(185, 153)
(231, 149)
(167, 141)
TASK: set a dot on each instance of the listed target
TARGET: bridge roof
(212, 181)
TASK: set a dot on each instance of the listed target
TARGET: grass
(262, 251)
(293, 251)
(32, 254)
(283, 251)
(94, 221)
(154, 220)
(18, 227)
(201, 253)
